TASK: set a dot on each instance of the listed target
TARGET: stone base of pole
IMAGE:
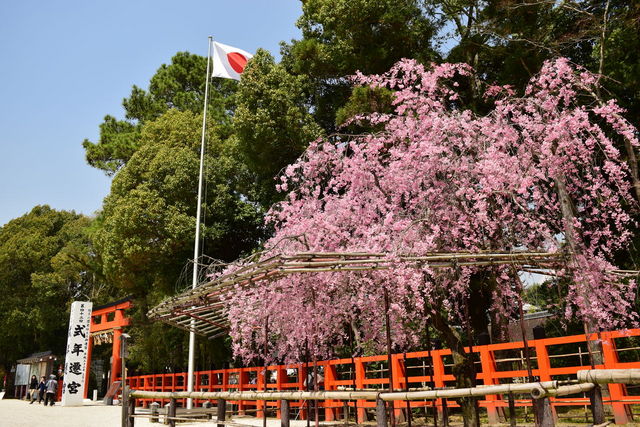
(155, 412)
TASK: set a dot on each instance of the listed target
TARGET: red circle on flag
(237, 61)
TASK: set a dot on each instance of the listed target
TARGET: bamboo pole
(608, 376)
(563, 390)
(525, 388)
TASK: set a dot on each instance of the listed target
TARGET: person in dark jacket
(33, 388)
(52, 388)
(42, 389)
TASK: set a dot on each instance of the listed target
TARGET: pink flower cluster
(441, 179)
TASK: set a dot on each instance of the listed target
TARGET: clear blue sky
(66, 64)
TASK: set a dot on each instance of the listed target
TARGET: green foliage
(179, 85)
(145, 232)
(148, 221)
(341, 37)
(365, 100)
(271, 123)
(45, 262)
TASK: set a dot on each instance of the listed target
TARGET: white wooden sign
(75, 364)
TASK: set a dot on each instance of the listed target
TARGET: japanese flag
(229, 62)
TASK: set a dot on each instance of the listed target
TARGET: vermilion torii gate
(107, 322)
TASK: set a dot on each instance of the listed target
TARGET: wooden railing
(551, 359)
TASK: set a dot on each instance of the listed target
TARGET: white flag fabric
(229, 61)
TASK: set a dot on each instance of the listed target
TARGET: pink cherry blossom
(439, 178)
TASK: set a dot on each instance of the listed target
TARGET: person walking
(42, 389)
(33, 388)
(52, 388)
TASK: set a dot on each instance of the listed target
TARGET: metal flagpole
(196, 246)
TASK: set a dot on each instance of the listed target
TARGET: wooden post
(316, 403)
(389, 357)
(431, 370)
(445, 413)
(345, 412)
(222, 411)
(125, 409)
(306, 380)
(405, 376)
(544, 366)
(264, 360)
(543, 412)
(284, 413)
(381, 413)
(155, 411)
(597, 407)
(171, 413)
(281, 378)
(131, 412)
(474, 400)
(512, 411)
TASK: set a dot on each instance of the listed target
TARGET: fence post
(512, 411)
(438, 382)
(222, 411)
(261, 382)
(616, 391)
(399, 378)
(381, 413)
(302, 376)
(243, 379)
(544, 372)
(543, 412)
(284, 413)
(155, 411)
(131, 412)
(445, 413)
(488, 363)
(171, 413)
(125, 409)
(597, 407)
(361, 412)
(330, 376)
(281, 378)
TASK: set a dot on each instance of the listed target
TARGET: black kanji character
(75, 368)
(77, 349)
(79, 331)
(73, 387)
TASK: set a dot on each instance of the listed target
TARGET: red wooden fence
(551, 358)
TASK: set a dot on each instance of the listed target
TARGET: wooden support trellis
(204, 304)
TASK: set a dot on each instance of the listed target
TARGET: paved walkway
(19, 413)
